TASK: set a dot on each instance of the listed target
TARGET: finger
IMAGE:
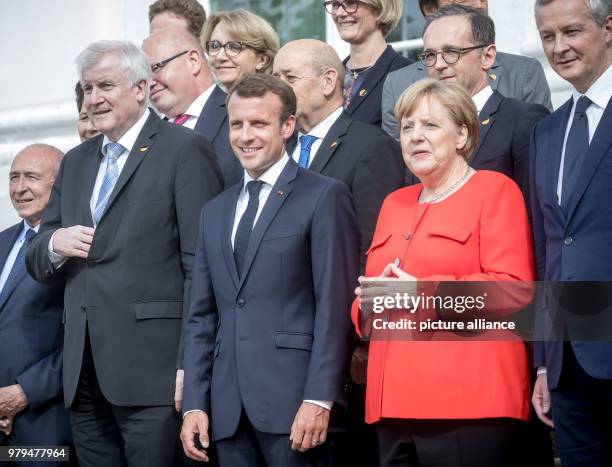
(296, 438)
(322, 436)
(188, 440)
(388, 270)
(89, 231)
(203, 428)
(178, 404)
(306, 442)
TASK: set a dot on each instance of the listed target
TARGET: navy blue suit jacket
(365, 105)
(31, 338)
(575, 246)
(212, 123)
(280, 333)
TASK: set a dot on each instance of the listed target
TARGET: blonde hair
(388, 13)
(246, 27)
(454, 98)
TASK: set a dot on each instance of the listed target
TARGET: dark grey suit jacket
(133, 289)
(512, 75)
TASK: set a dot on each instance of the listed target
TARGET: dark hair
(80, 96)
(423, 4)
(190, 10)
(483, 28)
(259, 85)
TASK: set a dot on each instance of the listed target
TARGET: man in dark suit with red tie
(184, 90)
(31, 332)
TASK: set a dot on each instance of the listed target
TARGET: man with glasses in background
(512, 75)
(184, 90)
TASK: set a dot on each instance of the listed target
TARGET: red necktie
(180, 119)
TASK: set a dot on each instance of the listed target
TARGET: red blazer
(479, 233)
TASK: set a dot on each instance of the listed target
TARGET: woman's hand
(392, 270)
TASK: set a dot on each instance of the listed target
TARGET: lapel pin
(334, 144)
(280, 192)
(143, 148)
(493, 76)
(363, 92)
(485, 121)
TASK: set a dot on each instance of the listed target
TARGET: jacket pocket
(458, 234)
(159, 309)
(293, 340)
(380, 240)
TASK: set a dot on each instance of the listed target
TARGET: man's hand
(541, 400)
(309, 428)
(73, 241)
(178, 390)
(195, 424)
(12, 401)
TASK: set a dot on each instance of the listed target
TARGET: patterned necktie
(113, 151)
(576, 146)
(18, 265)
(306, 142)
(245, 226)
(180, 119)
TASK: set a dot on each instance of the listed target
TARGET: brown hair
(454, 98)
(259, 85)
(190, 10)
(80, 96)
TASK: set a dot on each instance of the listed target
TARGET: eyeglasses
(232, 48)
(450, 55)
(332, 6)
(159, 65)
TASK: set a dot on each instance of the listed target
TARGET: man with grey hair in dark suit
(513, 76)
(120, 227)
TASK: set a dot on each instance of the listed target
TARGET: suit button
(241, 302)
(568, 240)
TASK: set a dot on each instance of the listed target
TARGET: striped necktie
(113, 151)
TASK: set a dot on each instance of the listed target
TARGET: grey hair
(483, 28)
(598, 9)
(133, 61)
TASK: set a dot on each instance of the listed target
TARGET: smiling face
(576, 47)
(256, 134)
(430, 140)
(229, 70)
(30, 181)
(84, 126)
(470, 70)
(357, 27)
(113, 105)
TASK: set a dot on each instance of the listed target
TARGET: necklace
(355, 72)
(450, 189)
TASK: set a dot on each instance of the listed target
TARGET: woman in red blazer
(447, 402)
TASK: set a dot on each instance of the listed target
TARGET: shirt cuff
(189, 411)
(327, 405)
(541, 370)
(56, 259)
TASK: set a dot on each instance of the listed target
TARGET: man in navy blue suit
(267, 335)
(31, 334)
(571, 173)
(184, 90)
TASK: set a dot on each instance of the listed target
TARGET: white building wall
(41, 38)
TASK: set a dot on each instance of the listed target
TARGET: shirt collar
(271, 175)
(481, 97)
(600, 91)
(27, 226)
(320, 130)
(129, 138)
(196, 107)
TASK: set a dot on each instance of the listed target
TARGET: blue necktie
(306, 142)
(576, 146)
(18, 265)
(245, 226)
(113, 151)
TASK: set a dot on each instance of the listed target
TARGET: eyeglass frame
(224, 47)
(160, 65)
(460, 50)
(342, 4)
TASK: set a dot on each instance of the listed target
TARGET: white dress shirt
(320, 131)
(599, 93)
(195, 109)
(481, 98)
(10, 259)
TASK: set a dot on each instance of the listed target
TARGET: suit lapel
(378, 72)
(6, 248)
(291, 144)
(141, 148)
(555, 147)
(331, 142)
(213, 114)
(280, 191)
(92, 166)
(487, 119)
(226, 230)
(597, 149)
